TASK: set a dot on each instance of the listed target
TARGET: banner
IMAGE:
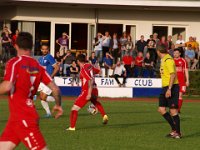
(110, 82)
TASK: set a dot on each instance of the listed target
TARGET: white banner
(110, 82)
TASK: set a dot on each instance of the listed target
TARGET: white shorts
(45, 89)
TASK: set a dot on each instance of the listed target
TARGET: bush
(194, 88)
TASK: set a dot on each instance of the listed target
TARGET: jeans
(98, 54)
(66, 66)
(116, 76)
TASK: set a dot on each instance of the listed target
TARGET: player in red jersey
(22, 77)
(89, 92)
(182, 74)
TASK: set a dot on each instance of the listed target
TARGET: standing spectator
(63, 42)
(197, 50)
(151, 48)
(138, 65)
(155, 37)
(148, 66)
(14, 38)
(164, 42)
(191, 42)
(6, 45)
(169, 41)
(98, 47)
(128, 64)
(120, 71)
(196, 43)
(180, 43)
(115, 48)
(108, 62)
(141, 44)
(171, 51)
(93, 59)
(67, 60)
(59, 61)
(123, 40)
(129, 45)
(74, 73)
(190, 57)
(106, 43)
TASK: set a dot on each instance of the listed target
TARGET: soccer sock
(180, 102)
(100, 108)
(169, 119)
(176, 119)
(45, 105)
(73, 118)
(50, 99)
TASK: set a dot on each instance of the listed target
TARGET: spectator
(129, 45)
(180, 43)
(151, 48)
(155, 37)
(120, 71)
(141, 44)
(93, 59)
(15, 37)
(196, 43)
(128, 62)
(190, 57)
(106, 43)
(169, 41)
(164, 42)
(74, 73)
(191, 42)
(138, 65)
(115, 48)
(108, 62)
(63, 42)
(123, 40)
(171, 51)
(67, 60)
(6, 45)
(59, 61)
(98, 47)
(148, 66)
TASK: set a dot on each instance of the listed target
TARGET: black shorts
(171, 102)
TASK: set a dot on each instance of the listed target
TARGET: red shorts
(26, 131)
(182, 88)
(81, 100)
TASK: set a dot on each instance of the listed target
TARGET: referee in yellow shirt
(170, 92)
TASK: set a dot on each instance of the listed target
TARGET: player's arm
(55, 70)
(5, 87)
(55, 92)
(90, 85)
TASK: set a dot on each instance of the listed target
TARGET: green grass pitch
(133, 125)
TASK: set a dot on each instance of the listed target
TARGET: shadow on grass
(192, 135)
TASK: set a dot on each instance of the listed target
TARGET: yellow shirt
(166, 68)
(194, 45)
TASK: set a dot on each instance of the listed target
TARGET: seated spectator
(192, 43)
(74, 73)
(93, 59)
(171, 51)
(138, 65)
(148, 66)
(67, 60)
(128, 64)
(108, 63)
(190, 57)
(115, 48)
(59, 61)
(120, 71)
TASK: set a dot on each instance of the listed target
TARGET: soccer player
(170, 92)
(182, 74)
(22, 77)
(49, 63)
(89, 92)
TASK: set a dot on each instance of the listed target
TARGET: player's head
(24, 41)
(161, 50)
(81, 58)
(177, 53)
(45, 49)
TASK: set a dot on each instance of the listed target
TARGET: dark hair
(161, 48)
(45, 44)
(81, 58)
(177, 49)
(25, 41)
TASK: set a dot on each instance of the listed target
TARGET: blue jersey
(47, 62)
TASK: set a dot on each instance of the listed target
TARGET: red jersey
(86, 74)
(127, 60)
(26, 74)
(137, 59)
(181, 65)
